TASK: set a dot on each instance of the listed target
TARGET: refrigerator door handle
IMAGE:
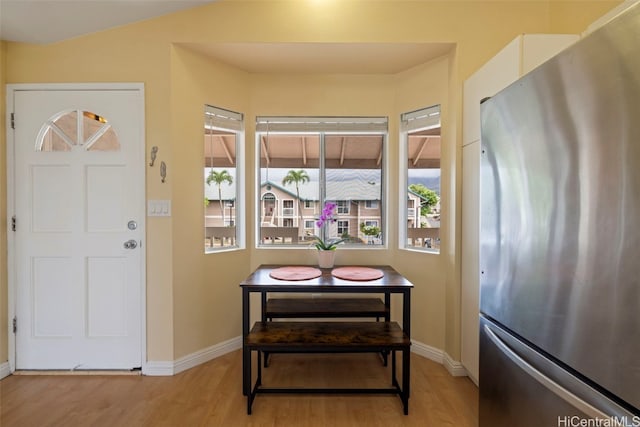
(547, 382)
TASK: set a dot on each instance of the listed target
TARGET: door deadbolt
(130, 244)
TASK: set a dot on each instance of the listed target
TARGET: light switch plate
(158, 207)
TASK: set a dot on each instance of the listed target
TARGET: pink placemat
(295, 273)
(357, 273)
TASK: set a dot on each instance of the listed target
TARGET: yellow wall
(193, 300)
(206, 293)
(419, 87)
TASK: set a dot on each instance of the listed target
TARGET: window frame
(287, 222)
(285, 202)
(339, 226)
(218, 118)
(343, 207)
(411, 122)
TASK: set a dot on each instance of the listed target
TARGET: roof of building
(361, 184)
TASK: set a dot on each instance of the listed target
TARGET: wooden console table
(321, 336)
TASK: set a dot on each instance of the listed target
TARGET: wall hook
(154, 153)
(163, 171)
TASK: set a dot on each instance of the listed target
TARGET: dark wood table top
(260, 280)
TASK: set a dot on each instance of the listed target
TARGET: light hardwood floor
(211, 395)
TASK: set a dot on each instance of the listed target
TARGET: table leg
(406, 379)
(246, 354)
(406, 353)
(406, 312)
(387, 304)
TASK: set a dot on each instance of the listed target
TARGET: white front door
(78, 195)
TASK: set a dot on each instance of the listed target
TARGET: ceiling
(47, 21)
(348, 58)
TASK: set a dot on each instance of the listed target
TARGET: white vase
(326, 258)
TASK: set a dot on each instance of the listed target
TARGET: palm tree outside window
(218, 178)
(296, 177)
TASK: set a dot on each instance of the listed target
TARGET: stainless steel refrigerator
(560, 239)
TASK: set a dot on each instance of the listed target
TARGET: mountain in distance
(431, 182)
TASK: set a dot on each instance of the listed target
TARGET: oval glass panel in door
(77, 128)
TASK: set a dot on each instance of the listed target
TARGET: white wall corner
(427, 351)
(158, 369)
(454, 367)
(191, 360)
(5, 370)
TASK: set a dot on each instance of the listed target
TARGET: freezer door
(520, 387)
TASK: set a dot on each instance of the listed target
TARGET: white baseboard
(454, 367)
(202, 356)
(159, 368)
(427, 351)
(5, 370)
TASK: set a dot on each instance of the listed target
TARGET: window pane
(423, 148)
(98, 133)
(61, 133)
(354, 183)
(296, 180)
(289, 187)
(220, 182)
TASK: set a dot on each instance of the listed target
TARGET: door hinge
(15, 324)
(13, 223)
(13, 120)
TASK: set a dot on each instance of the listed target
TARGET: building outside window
(306, 161)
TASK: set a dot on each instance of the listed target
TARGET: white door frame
(11, 267)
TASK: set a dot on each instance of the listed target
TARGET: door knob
(130, 244)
